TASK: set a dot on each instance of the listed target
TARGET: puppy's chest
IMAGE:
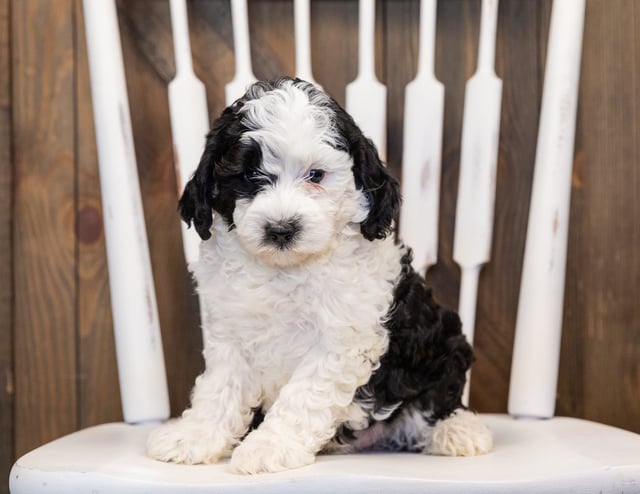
(279, 315)
(299, 308)
(295, 323)
(293, 308)
(279, 326)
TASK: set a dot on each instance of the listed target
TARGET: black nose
(281, 234)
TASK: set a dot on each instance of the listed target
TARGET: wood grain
(99, 398)
(212, 49)
(44, 215)
(334, 45)
(401, 34)
(600, 366)
(6, 252)
(272, 38)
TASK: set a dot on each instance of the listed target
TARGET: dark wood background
(57, 365)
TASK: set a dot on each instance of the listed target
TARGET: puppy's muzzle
(281, 234)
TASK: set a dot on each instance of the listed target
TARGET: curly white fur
(462, 434)
(295, 341)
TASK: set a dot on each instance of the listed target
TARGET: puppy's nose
(282, 233)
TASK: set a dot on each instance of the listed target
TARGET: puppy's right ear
(196, 203)
(201, 194)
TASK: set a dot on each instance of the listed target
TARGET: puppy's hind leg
(461, 434)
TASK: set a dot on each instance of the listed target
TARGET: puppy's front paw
(461, 434)
(186, 441)
(262, 452)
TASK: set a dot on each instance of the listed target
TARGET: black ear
(370, 175)
(201, 195)
(196, 203)
(379, 187)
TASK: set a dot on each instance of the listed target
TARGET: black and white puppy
(315, 321)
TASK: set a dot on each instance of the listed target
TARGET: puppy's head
(288, 168)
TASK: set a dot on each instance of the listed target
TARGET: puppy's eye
(315, 176)
(253, 175)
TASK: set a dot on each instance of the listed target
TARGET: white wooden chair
(533, 451)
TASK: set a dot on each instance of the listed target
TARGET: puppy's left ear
(379, 187)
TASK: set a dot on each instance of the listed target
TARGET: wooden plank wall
(6, 256)
(57, 367)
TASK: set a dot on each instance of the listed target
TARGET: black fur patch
(428, 356)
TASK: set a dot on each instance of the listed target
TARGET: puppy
(319, 335)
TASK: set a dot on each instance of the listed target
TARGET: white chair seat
(551, 456)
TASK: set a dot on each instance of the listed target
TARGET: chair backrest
(139, 350)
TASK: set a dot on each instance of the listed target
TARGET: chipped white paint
(303, 43)
(244, 73)
(478, 163)
(422, 149)
(143, 385)
(366, 97)
(561, 455)
(189, 116)
(189, 121)
(536, 353)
